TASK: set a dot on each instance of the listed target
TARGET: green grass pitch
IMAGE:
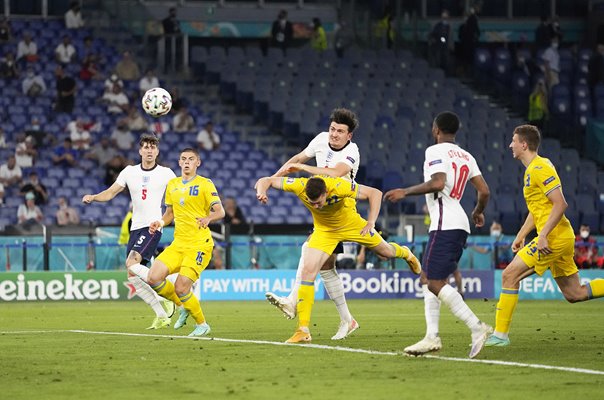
(39, 359)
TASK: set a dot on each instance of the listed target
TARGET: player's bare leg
(163, 312)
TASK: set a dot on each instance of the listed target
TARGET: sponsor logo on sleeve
(353, 185)
(289, 180)
(350, 159)
(215, 194)
(549, 180)
(434, 162)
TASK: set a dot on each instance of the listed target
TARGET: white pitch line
(325, 347)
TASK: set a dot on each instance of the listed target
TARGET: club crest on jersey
(350, 159)
(329, 155)
(434, 162)
(146, 178)
(182, 201)
(549, 180)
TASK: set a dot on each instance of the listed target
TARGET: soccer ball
(157, 102)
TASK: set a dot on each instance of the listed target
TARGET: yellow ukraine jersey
(540, 178)
(191, 200)
(336, 213)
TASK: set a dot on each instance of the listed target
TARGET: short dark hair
(190, 150)
(447, 122)
(148, 138)
(530, 135)
(315, 187)
(346, 117)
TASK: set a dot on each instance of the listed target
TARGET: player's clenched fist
(88, 198)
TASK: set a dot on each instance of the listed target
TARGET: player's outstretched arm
(483, 198)
(105, 195)
(435, 184)
(299, 158)
(375, 203)
(340, 170)
(263, 184)
(166, 219)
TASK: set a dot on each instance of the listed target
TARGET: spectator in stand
(33, 84)
(135, 120)
(79, 134)
(318, 39)
(233, 214)
(586, 250)
(1, 195)
(282, 31)
(8, 67)
(127, 69)
(595, 67)
(207, 138)
(29, 214)
(2, 139)
(149, 81)
(65, 53)
(170, 23)
(502, 254)
(469, 35)
(178, 101)
(183, 121)
(67, 215)
(543, 34)
(5, 30)
(90, 69)
(555, 29)
(27, 49)
(440, 41)
(66, 90)
(10, 173)
(34, 129)
(538, 111)
(25, 152)
(116, 100)
(102, 152)
(112, 81)
(33, 185)
(121, 137)
(73, 16)
(65, 155)
(551, 59)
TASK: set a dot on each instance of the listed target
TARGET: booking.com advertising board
(253, 284)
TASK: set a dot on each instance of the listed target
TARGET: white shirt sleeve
(122, 177)
(474, 169)
(311, 149)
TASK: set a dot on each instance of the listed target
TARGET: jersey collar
(343, 147)
(185, 182)
(149, 169)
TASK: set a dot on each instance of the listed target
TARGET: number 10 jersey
(446, 212)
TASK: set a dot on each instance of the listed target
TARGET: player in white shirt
(337, 156)
(447, 170)
(146, 183)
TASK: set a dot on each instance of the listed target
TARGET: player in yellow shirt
(335, 220)
(192, 202)
(554, 246)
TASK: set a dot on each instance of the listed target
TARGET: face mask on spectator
(495, 233)
(584, 234)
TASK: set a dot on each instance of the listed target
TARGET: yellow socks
(191, 304)
(306, 299)
(595, 289)
(166, 290)
(505, 309)
(401, 252)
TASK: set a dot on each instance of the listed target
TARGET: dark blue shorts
(443, 252)
(143, 243)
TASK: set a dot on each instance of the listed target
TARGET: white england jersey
(446, 212)
(327, 157)
(147, 189)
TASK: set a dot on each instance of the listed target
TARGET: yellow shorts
(327, 241)
(186, 261)
(561, 260)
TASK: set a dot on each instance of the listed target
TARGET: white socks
(293, 295)
(458, 307)
(431, 312)
(144, 291)
(335, 289)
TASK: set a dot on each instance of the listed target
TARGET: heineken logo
(60, 286)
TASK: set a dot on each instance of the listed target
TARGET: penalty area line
(322, 347)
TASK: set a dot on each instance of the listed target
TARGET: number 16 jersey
(446, 212)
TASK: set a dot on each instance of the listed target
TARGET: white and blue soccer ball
(157, 102)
